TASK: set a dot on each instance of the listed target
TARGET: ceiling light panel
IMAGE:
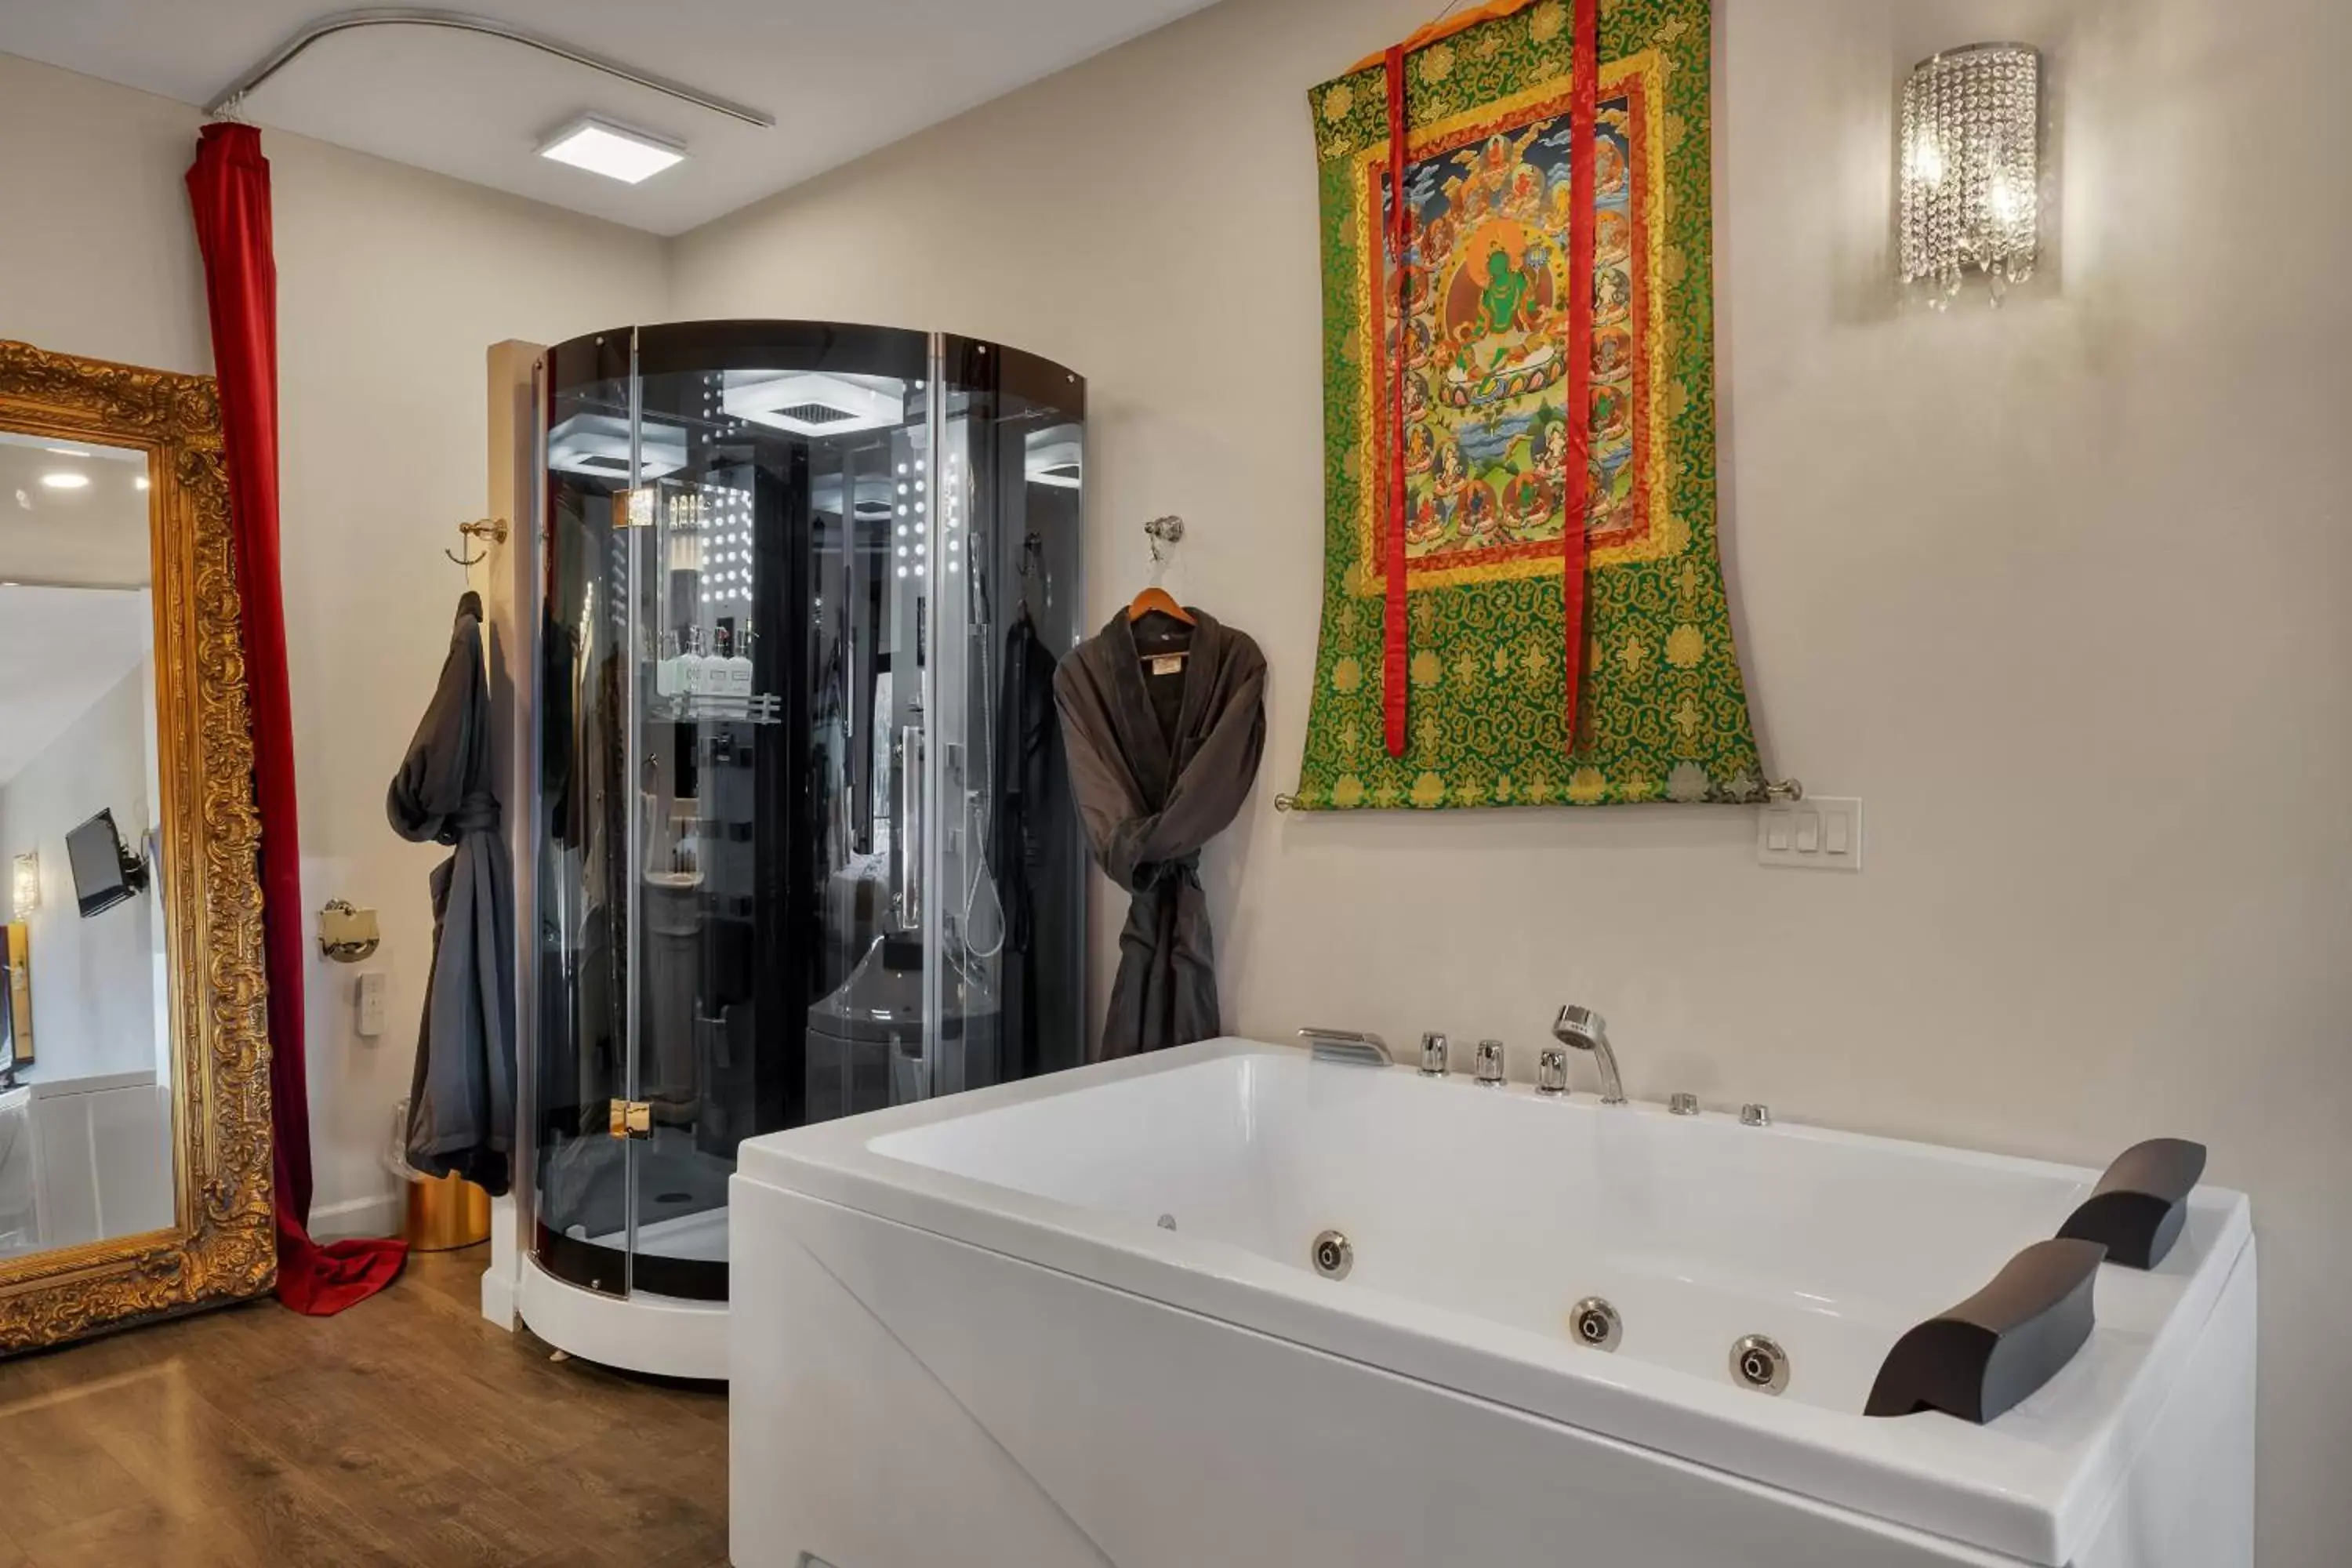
(612, 151)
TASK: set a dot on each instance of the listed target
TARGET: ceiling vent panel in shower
(1053, 457)
(807, 402)
(597, 444)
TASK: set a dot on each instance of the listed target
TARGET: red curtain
(228, 186)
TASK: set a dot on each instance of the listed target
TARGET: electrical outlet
(372, 988)
(1823, 832)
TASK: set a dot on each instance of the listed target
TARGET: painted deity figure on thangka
(1482, 311)
(1447, 338)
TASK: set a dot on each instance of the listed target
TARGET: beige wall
(392, 285)
(2059, 590)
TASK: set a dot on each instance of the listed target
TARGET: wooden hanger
(1164, 532)
(1158, 601)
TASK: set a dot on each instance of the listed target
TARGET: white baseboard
(498, 1299)
(499, 1280)
(377, 1215)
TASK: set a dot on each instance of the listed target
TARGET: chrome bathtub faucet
(1346, 1046)
(1585, 1030)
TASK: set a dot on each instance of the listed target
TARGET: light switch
(372, 988)
(1822, 831)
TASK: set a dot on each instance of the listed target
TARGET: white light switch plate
(1823, 832)
(373, 986)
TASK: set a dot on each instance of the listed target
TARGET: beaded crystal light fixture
(1971, 162)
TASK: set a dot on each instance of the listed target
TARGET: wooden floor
(406, 1430)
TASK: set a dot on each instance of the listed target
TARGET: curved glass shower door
(788, 564)
(579, 1030)
(1009, 989)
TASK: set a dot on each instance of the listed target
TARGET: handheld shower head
(1588, 1031)
(1580, 1027)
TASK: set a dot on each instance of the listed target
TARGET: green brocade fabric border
(1663, 714)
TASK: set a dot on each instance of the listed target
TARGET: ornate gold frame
(223, 1245)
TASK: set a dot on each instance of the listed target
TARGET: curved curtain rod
(458, 21)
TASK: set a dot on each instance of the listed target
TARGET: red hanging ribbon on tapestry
(1583, 105)
(1399, 227)
(1583, 110)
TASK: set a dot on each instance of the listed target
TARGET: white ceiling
(840, 78)
(92, 537)
(61, 649)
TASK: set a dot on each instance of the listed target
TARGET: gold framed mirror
(135, 1150)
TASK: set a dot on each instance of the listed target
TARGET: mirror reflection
(85, 1036)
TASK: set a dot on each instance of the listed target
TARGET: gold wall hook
(493, 529)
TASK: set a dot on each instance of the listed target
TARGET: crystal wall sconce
(26, 892)
(1971, 169)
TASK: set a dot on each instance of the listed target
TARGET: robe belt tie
(1177, 869)
(475, 814)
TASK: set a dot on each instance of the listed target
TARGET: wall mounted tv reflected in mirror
(105, 871)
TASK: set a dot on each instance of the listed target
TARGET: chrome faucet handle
(1433, 1056)
(1755, 1115)
(1682, 1104)
(1490, 1064)
(1551, 1071)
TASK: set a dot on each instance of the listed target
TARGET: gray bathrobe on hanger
(461, 1104)
(1150, 798)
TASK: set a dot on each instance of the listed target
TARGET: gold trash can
(446, 1213)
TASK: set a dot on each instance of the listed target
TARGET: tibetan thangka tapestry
(1467, 633)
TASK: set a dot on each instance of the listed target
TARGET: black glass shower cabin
(798, 851)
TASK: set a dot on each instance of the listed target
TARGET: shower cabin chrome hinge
(631, 1119)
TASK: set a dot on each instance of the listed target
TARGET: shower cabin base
(644, 1333)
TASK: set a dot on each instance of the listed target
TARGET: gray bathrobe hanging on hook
(462, 1099)
(1164, 734)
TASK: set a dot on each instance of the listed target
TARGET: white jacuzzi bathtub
(963, 1334)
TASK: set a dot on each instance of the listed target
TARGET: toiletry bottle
(706, 674)
(665, 667)
(693, 669)
(739, 663)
